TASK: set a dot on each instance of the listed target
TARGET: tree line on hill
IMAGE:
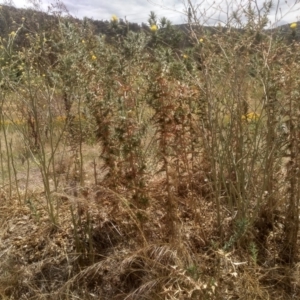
(174, 36)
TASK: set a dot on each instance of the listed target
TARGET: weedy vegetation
(151, 164)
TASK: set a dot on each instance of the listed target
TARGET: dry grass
(128, 255)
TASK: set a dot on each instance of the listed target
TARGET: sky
(210, 12)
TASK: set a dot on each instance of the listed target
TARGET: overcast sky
(137, 11)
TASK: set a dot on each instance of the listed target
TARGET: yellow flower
(83, 41)
(293, 25)
(201, 40)
(94, 57)
(153, 28)
(13, 33)
(185, 56)
(114, 18)
(252, 117)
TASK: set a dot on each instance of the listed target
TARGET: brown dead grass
(128, 255)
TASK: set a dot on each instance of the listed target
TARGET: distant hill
(12, 18)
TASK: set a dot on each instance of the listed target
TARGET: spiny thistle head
(153, 27)
(252, 117)
(114, 19)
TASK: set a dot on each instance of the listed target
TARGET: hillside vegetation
(148, 162)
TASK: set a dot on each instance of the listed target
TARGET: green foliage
(240, 230)
(254, 252)
(163, 33)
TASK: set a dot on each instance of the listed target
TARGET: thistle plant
(164, 150)
(241, 152)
